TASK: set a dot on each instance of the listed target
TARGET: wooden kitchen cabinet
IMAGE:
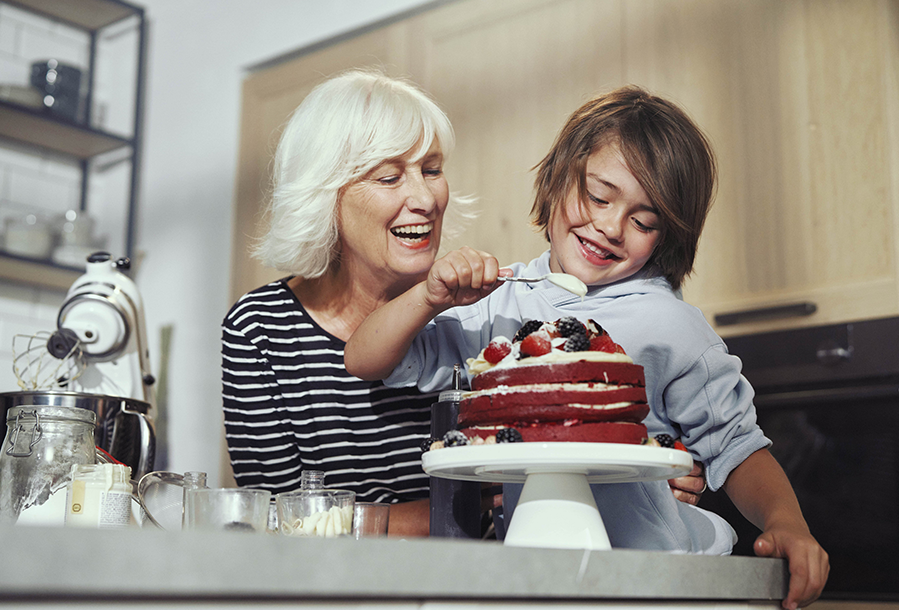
(799, 98)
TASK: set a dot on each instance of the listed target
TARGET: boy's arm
(461, 277)
(759, 488)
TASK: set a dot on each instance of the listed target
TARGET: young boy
(621, 197)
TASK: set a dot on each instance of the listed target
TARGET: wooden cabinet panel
(799, 98)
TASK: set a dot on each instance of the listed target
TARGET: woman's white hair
(345, 127)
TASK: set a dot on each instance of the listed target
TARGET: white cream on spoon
(562, 280)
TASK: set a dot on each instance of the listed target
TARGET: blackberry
(665, 440)
(570, 326)
(508, 435)
(426, 444)
(527, 328)
(454, 438)
(577, 343)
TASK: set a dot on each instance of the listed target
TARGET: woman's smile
(415, 236)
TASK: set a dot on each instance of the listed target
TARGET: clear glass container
(314, 510)
(41, 447)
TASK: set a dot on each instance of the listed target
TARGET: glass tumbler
(227, 509)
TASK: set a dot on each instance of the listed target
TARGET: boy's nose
(610, 224)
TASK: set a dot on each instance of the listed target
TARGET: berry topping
(569, 326)
(665, 440)
(577, 343)
(426, 444)
(454, 438)
(603, 343)
(498, 349)
(536, 344)
(594, 329)
(508, 435)
(679, 445)
(526, 329)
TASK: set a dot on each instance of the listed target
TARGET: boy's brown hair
(665, 151)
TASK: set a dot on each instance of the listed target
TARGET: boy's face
(610, 236)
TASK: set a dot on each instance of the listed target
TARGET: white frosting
(479, 365)
(569, 283)
(546, 387)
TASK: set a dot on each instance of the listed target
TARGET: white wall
(198, 52)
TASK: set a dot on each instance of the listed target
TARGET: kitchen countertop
(46, 565)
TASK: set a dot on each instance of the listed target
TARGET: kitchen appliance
(455, 505)
(99, 350)
(828, 398)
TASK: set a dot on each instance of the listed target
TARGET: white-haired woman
(355, 217)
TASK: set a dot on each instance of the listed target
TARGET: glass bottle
(192, 479)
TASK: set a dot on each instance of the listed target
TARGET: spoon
(562, 280)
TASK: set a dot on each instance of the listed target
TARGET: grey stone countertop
(134, 564)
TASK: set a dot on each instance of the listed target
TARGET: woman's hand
(689, 488)
(462, 277)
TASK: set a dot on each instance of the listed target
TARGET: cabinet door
(800, 101)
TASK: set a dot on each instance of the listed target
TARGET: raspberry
(536, 344)
(526, 329)
(426, 444)
(498, 349)
(665, 440)
(508, 435)
(569, 326)
(454, 438)
(603, 343)
(577, 343)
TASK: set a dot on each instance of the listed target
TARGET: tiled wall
(30, 181)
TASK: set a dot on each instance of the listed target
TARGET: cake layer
(623, 412)
(609, 432)
(622, 404)
(616, 373)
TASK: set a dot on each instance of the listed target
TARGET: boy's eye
(596, 199)
(644, 227)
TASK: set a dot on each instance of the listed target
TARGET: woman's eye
(389, 179)
(433, 171)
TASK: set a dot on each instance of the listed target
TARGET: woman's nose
(420, 196)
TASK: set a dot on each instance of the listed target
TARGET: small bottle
(312, 479)
(191, 480)
(99, 496)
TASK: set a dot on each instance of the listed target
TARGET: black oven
(828, 397)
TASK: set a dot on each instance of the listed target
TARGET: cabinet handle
(766, 313)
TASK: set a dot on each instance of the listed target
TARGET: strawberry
(603, 343)
(679, 445)
(497, 350)
(536, 344)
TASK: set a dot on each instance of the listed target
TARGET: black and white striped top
(290, 404)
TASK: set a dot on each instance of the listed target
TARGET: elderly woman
(356, 217)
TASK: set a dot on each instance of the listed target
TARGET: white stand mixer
(104, 312)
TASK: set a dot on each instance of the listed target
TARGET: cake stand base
(557, 510)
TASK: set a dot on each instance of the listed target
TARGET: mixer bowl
(124, 427)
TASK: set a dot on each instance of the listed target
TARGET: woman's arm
(461, 277)
(409, 519)
(759, 488)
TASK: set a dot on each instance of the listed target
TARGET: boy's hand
(462, 277)
(808, 562)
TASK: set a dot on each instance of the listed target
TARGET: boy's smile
(610, 236)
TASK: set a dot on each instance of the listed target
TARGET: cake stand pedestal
(556, 508)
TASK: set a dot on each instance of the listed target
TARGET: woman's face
(611, 235)
(391, 219)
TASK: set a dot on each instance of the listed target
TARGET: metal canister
(455, 505)
(42, 445)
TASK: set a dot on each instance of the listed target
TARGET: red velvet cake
(555, 381)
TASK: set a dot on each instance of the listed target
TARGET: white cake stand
(556, 508)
